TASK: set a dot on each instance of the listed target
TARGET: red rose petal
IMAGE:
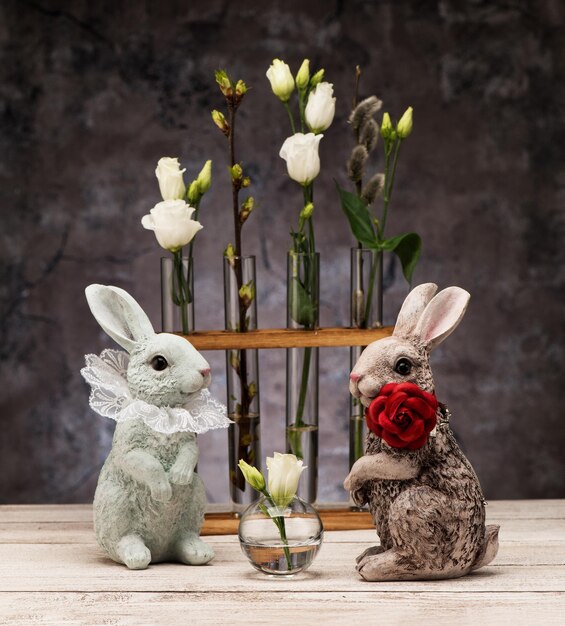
(376, 406)
(388, 389)
(388, 425)
(418, 443)
(393, 402)
(414, 431)
(418, 405)
(393, 440)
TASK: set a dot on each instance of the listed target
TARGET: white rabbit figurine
(149, 504)
(423, 495)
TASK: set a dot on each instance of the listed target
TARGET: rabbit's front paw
(161, 491)
(180, 474)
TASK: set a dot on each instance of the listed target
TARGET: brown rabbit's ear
(442, 316)
(412, 309)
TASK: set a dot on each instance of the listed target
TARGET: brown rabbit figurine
(422, 492)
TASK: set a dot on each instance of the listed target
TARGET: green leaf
(302, 309)
(358, 216)
(407, 248)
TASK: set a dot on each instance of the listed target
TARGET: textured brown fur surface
(427, 504)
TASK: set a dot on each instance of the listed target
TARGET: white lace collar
(111, 397)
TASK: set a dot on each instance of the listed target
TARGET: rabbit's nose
(353, 377)
(205, 372)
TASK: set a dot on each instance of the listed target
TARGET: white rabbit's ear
(412, 309)
(442, 316)
(119, 315)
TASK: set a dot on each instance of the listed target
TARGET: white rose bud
(204, 179)
(284, 473)
(404, 127)
(301, 155)
(320, 109)
(280, 77)
(172, 222)
(303, 76)
(169, 175)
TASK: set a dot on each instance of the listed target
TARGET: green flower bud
(386, 127)
(193, 193)
(204, 179)
(234, 360)
(252, 390)
(221, 122)
(229, 253)
(252, 475)
(317, 78)
(246, 209)
(224, 83)
(246, 181)
(236, 172)
(404, 127)
(303, 75)
(307, 211)
(240, 89)
(247, 293)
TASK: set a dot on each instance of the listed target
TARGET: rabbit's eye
(159, 363)
(403, 366)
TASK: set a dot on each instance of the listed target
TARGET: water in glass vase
(271, 559)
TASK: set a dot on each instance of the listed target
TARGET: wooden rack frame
(274, 338)
(277, 338)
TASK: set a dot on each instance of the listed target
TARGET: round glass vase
(280, 541)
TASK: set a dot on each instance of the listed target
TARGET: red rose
(403, 415)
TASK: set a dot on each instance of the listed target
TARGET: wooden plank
(523, 532)
(286, 338)
(496, 510)
(85, 568)
(522, 528)
(533, 552)
(249, 607)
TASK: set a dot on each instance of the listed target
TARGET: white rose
(172, 223)
(169, 175)
(320, 109)
(284, 473)
(280, 77)
(301, 155)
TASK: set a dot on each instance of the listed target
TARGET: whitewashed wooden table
(52, 572)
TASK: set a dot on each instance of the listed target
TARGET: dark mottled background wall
(93, 93)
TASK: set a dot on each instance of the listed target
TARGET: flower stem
(389, 185)
(375, 265)
(302, 108)
(282, 530)
(290, 117)
(280, 524)
(179, 289)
